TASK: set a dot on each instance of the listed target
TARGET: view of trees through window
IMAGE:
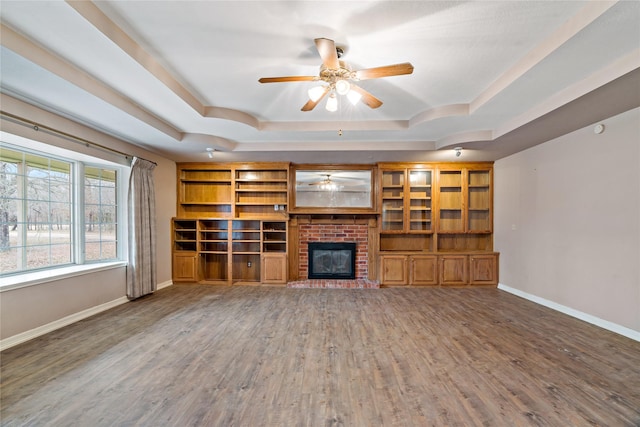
(100, 213)
(37, 225)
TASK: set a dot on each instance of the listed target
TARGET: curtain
(141, 271)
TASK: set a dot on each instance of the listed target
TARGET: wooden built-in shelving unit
(435, 223)
(232, 190)
(231, 225)
(228, 251)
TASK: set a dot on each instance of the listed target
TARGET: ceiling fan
(340, 78)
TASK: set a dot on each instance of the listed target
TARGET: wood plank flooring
(253, 356)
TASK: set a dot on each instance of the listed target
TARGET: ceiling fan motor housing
(330, 75)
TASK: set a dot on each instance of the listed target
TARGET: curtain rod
(38, 127)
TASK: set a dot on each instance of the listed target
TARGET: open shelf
(274, 236)
(232, 190)
(184, 236)
(214, 267)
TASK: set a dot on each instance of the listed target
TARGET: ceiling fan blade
(328, 53)
(287, 79)
(310, 105)
(386, 71)
(367, 98)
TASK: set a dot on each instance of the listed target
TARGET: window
(100, 214)
(55, 211)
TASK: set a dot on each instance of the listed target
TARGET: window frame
(79, 263)
(119, 212)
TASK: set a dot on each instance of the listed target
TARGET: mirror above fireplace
(333, 189)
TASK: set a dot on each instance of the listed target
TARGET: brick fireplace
(334, 233)
(361, 229)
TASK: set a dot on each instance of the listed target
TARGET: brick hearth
(335, 284)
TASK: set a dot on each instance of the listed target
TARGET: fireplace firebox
(329, 260)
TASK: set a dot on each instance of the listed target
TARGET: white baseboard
(164, 284)
(605, 324)
(57, 324)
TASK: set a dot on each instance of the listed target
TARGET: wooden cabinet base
(274, 268)
(453, 270)
(483, 269)
(443, 269)
(423, 270)
(393, 270)
(185, 268)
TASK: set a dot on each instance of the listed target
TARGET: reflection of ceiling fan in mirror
(330, 179)
(340, 78)
(323, 180)
(326, 184)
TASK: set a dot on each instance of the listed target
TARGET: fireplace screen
(332, 260)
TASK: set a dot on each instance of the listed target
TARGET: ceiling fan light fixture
(316, 93)
(353, 97)
(332, 103)
(338, 75)
(342, 87)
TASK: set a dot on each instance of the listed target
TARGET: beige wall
(28, 308)
(567, 221)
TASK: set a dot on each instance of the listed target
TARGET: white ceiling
(177, 77)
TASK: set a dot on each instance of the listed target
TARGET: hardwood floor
(253, 356)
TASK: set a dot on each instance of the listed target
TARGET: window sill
(40, 277)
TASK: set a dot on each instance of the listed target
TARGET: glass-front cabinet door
(479, 201)
(406, 201)
(393, 187)
(419, 200)
(450, 201)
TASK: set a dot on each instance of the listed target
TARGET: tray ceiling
(182, 76)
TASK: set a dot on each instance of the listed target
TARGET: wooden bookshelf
(232, 190)
(231, 224)
(436, 225)
(230, 251)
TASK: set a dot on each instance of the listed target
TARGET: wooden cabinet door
(419, 204)
(423, 270)
(274, 268)
(392, 199)
(451, 201)
(483, 269)
(185, 268)
(393, 270)
(479, 201)
(453, 269)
